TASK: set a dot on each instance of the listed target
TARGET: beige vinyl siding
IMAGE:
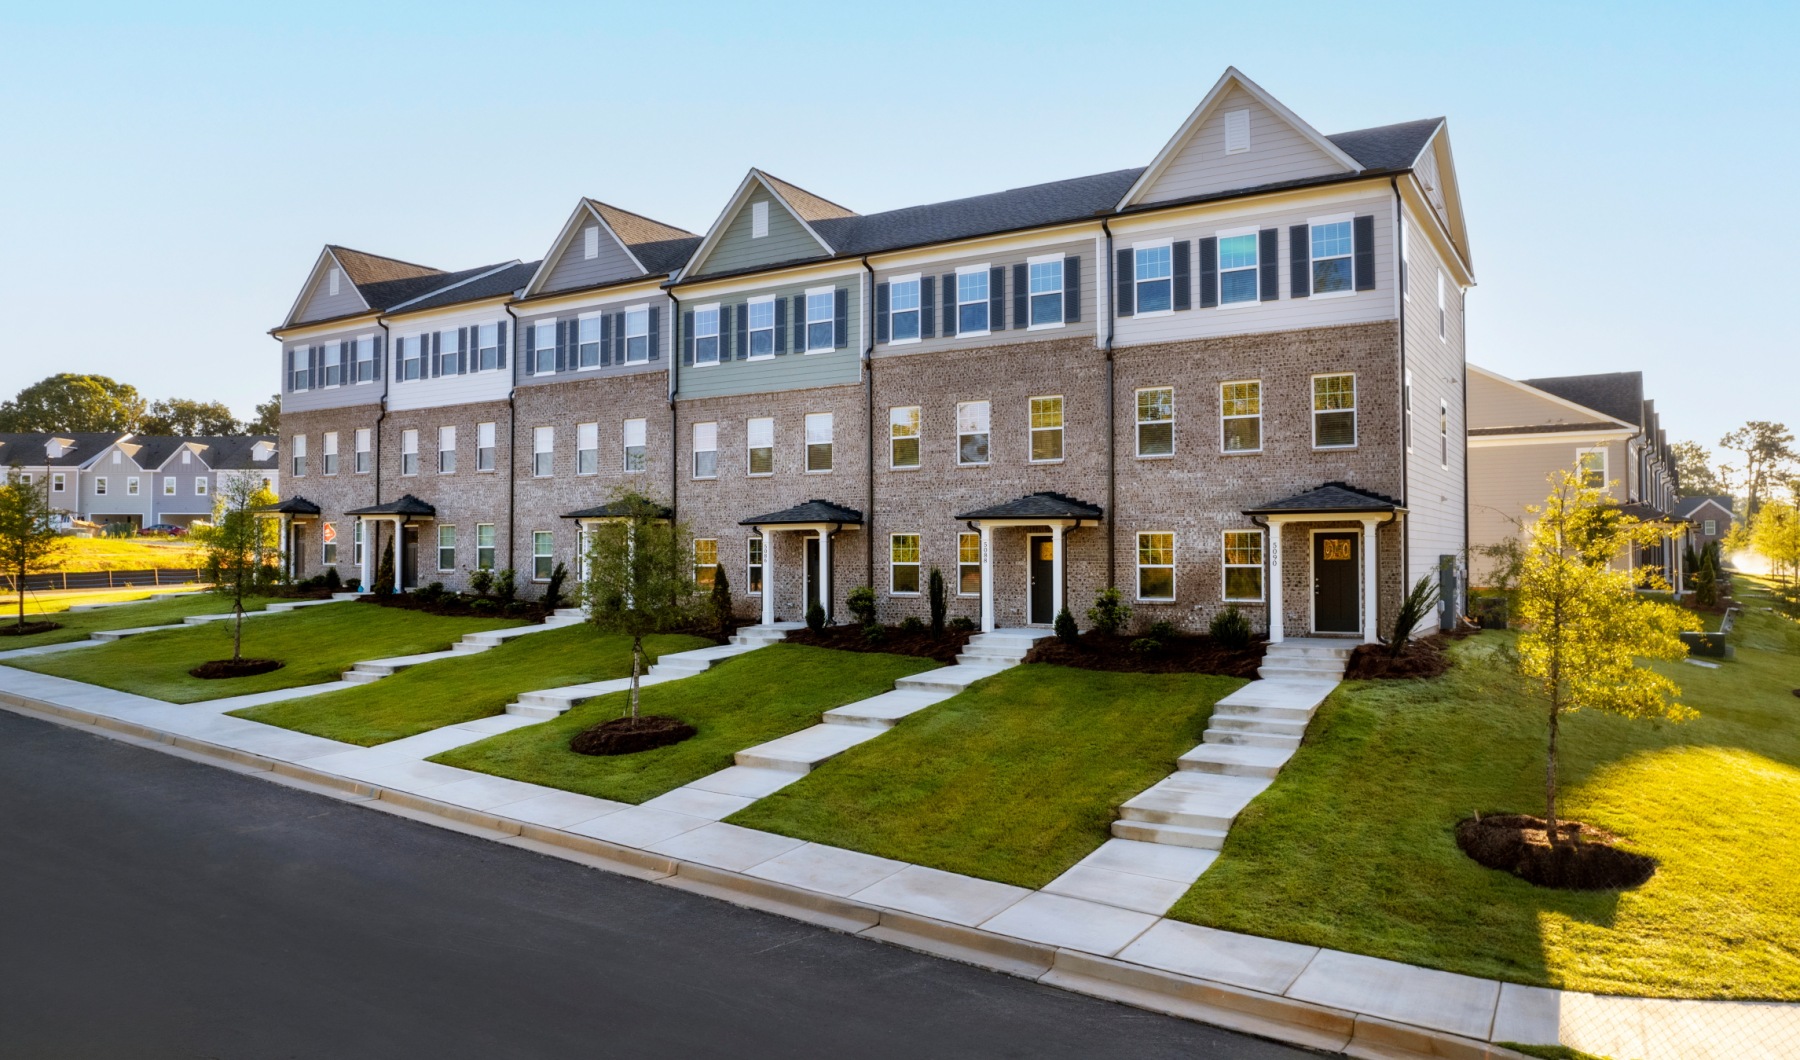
(788, 371)
(1278, 152)
(1091, 273)
(575, 270)
(737, 249)
(1284, 313)
(1437, 507)
(1506, 479)
(340, 396)
(426, 392)
(519, 371)
(1494, 402)
(320, 304)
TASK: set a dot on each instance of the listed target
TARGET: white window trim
(625, 447)
(1406, 396)
(807, 325)
(57, 482)
(100, 486)
(1031, 432)
(806, 444)
(694, 455)
(1152, 244)
(960, 462)
(537, 432)
(535, 554)
(644, 307)
(579, 319)
(169, 486)
(1330, 219)
(1137, 566)
(1605, 464)
(960, 564)
(1354, 410)
(760, 565)
(1255, 270)
(750, 332)
(494, 560)
(718, 336)
(911, 277)
(750, 446)
(919, 437)
(917, 565)
(985, 269)
(131, 485)
(1444, 434)
(1062, 296)
(1225, 567)
(440, 549)
(595, 448)
(477, 347)
(200, 487)
(532, 347)
(1258, 417)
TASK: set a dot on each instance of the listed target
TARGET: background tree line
(71, 402)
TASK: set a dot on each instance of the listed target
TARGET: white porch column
(1674, 547)
(987, 579)
(1056, 592)
(1371, 592)
(825, 573)
(1276, 631)
(287, 544)
(768, 565)
(366, 530)
(399, 555)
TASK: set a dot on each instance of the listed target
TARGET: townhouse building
(140, 480)
(1233, 377)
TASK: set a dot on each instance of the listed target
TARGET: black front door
(1043, 579)
(298, 566)
(812, 573)
(409, 557)
(1335, 604)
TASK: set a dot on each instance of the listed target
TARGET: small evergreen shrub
(1146, 645)
(939, 602)
(862, 604)
(720, 601)
(1109, 613)
(333, 581)
(962, 624)
(1066, 630)
(815, 618)
(483, 604)
(1161, 629)
(912, 624)
(874, 634)
(553, 592)
(384, 572)
(506, 585)
(431, 594)
(481, 582)
(1230, 628)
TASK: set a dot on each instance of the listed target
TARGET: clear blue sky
(171, 170)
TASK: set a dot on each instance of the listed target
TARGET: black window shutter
(618, 320)
(315, 355)
(1021, 296)
(1299, 261)
(997, 298)
(743, 329)
(840, 319)
(399, 348)
(1126, 285)
(781, 324)
(724, 333)
(1268, 261)
(799, 322)
(1362, 229)
(928, 307)
(881, 312)
(605, 339)
(951, 298)
(381, 355)
(1072, 288)
(437, 352)
(687, 338)
(562, 345)
(462, 350)
(1209, 272)
(290, 370)
(655, 332)
(1181, 277)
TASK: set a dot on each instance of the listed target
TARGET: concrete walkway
(1062, 936)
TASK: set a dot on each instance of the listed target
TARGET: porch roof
(615, 510)
(1043, 505)
(291, 506)
(812, 511)
(405, 504)
(1332, 497)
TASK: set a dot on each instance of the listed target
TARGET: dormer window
(759, 220)
(590, 242)
(1237, 131)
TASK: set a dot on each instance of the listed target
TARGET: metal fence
(101, 579)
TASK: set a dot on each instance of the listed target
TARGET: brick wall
(334, 494)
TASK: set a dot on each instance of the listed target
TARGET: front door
(812, 574)
(1335, 605)
(298, 567)
(1042, 572)
(409, 557)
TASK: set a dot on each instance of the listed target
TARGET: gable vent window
(706, 335)
(1237, 131)
(333, 278)
(759, 220)
(590, 242)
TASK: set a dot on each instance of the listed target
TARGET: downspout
(372, 534)
(868, 374)
(674, 386)
(512, 440)
(1405, 427)
(1112, 479)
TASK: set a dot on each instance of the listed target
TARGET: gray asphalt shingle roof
(1387, 146)
(1687, 506)
(504, 282)
(27, 449)
(291, 506)
(405, 504)
(1330, 497)
(1616, 394)
(1044, 505)
(813, 511)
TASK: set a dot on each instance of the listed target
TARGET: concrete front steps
(470, 644)
(107, 635)
(1307, 658)
(550, 702)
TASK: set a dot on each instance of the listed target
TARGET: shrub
(720, 601)
(506, 585)
(912, 624)
(332, 581)
(1066, 630)
(962, 624)
(1162, 629)
(1146, 645)
(354, 585)
(939, 602)
(431, 594)
(553, 592)
(1230, 628)
(1413, 609)
(862, 605)
(815, 618)
(874, 634)
(481, 582)
(483, 604)
(1109, 613)
(384, 571)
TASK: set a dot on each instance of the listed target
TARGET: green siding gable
(738, 250)
(788, 371)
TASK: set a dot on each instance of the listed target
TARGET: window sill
(828, 349)
(1335, 294)
(913, 595)
(1047, 327)
(759, 474)
(1333, 448)
(1152, 313)
(705, 364)
(1241, 305)
(982, 334)
(914, 467)
(1041, 463)
(1245, 452)
(1156, 456)
(703, 478)
(760, 357)
(1154, 600)
(813, 471)
(903, 342)
(1257, 600)
(989, 463)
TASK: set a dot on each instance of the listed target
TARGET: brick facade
(334, 494)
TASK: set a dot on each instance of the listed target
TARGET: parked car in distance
(163, 530)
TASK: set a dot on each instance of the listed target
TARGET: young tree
(71, 402)
(1585, 626)
(640, 576)
(235, 546)
(1775, 536)
(1766, 449)
(1699, 475)
(26, 536)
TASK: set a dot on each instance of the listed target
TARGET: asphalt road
(156, 907)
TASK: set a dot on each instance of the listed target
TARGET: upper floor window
(821, 311)
(543, 452)
(1332, 243)
(762, 328)
(1046, 429)
(1156, 421)
(100, 485)
(1240, 416)
(636, 450)
(302, 376)
(484, 447)
(1444, 434)
(972, 300)
(637, 334)
(449, 347)
(818, 441)
(57, 482)
(1046, 291)
(587, 448)
(334, 363)
(543, 347)
(409, 452)
(1710, 527)
(297, 454)
(131, 486)
(1237, 267)
(487, 345)
(1155, 272)
(169, 486)
(1443, 316)
(903, 437)
(972, 433)
(760, 439)
(587, 341)
(446, 450)
(1334, 411)
(706, 335)
(365, 358)
(364, 438)
(706, 450)
(328, 454)
(903, 309)
(1592, 463)
(412, 356)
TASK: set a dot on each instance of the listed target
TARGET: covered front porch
(1041, 523)
(404, 514)
(1326, 564)
(295, 515)
(815, 524)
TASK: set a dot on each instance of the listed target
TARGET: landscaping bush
(431, 594)
(332, 581)
(506, 586)
(1146, 645)
(874, 633)
(720, 602)
(862, 604)
(1162, 630)
(962, 624)
(483, 605)
(1413, 609)
(384, 571)
(912, 624)
(553, 592)
(1066, 630)
(1109, 613)
(939, 602)
(1230, 628)
(815, 618)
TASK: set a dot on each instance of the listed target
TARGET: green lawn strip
(435, 694)
(1551, 1052)
(1015, 779)
(317, 644)
(740, 703)
(1353, 848)
(77, 626)
(51, 603)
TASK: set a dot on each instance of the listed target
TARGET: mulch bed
(13, 629)
(1424, 657)
(1583, 859)
(1180, 654)
(290, 592)
(623, 736)
(222, 668)
(893, 641)
(453, 606)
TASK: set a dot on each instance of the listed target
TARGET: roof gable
(624, 246)
(1618, 395)
(345, 281)
(318, 300)
(1496, 401)
(732, 245)
(1198, 160)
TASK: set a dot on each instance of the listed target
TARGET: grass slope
(1352, 848)
(45, 603)
(740, 703)
(78, 554)
(146, 613)
(442, 693)
(316, 643)
(1015, 779)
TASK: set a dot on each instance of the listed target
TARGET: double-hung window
(543, 347)
(484, 447)
(821, 312)
(1332, 244)
(706, 450)
(1592, 464)
(412, 356)
(364, 438)
(334, 361)
(543, 555)
(169, 486)
(1243, 565)
(1156, 565)
(302, 375)
(637, 335)
(753, 572)
(1237, 267)
(903, 564)
(328, 553)
(328, 453)
(706, 335)
(587, 341)
(818, 441)
(297, 458)
(903, 437)
(543, 452)
(446, 450)
(365, 358)
(1240, 416)
(487, 347)
(484, 546)
(57, 482)
(706, 561)
(409, 452)
(131, 486)
(100, 486)
(972, 300)
(1155, 278)
(1046, 429)
(1156, 421)
(762, 328)
(636, 450)
(449, 356)
(1046, 291)
(972, 433)
(968, 564)
(446, 548)
(903, 309)
(759, 434)
(1334, 411)
(587, 448)
(200, 486)
(356, 542)
(1710, 527)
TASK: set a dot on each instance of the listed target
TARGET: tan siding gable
(1278, 152)
(1501, 403)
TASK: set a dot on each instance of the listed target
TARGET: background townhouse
(1709, 517)
(138, 479)
(60, 459)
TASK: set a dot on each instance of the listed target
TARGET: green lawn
(146, 613)
(1015, 780)
(317, 644)
(455, 690)
(1352, 848)
(45, 603)
(740, 703)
